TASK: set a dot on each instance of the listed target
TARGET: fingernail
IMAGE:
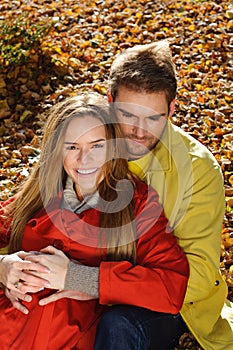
(28, 299)
(47, 284)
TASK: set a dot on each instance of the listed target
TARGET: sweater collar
(71, 202)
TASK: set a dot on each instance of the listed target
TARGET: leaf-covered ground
(52, 49)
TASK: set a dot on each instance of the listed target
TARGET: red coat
(157, 282)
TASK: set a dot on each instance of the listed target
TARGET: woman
(83, 226)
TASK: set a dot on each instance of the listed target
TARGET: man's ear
(110, 99)
(172, 108)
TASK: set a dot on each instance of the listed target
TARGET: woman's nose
(85, 156)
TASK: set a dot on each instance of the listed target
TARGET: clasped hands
(31, 272)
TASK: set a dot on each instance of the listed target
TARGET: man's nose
(140, 129)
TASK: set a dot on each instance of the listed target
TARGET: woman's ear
(172, 108)
(110, 99)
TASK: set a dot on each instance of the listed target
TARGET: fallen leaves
(81, 41)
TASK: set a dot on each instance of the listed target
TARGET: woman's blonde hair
(48, 178)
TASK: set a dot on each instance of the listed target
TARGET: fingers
(32, 266)
(21, 254)
(17, 294)
(26, 280)
(56, 261)
(13, 297)
(66, 294)
(32, 280)
(23, 287)
(19, 306)
(54, 297)
(50, 250)
(27, 265)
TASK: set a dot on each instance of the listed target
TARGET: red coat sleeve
(159, 279)
(5, 222)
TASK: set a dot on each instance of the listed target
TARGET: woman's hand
(19, 275)
(57, 263)
(16, 297)
(71, 294)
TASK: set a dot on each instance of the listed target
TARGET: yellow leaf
(100, 89)
(229, 13)
(139, 15)
(190, 66)
(57, 49)
(231, 180)
(198, 87)
(4, 105)
(191, 28)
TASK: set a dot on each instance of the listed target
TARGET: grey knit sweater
(82, 278)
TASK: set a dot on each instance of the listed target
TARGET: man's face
(142, 117)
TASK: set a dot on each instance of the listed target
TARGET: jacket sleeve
(5, 222)
(158, 281)
(199, 232)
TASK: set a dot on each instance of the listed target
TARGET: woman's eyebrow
(99, 140)
(76, 143)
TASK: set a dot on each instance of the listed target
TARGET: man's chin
(136, 155)
(135, 150)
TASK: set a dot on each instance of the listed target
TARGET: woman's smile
(86, 171)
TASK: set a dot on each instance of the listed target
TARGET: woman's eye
(98, 145)
(71, 148)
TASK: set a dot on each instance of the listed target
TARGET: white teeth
(86, 171)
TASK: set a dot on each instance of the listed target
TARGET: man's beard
(136, 149)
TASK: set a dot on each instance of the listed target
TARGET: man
(142, 87)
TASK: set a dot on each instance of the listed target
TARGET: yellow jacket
(189, 182)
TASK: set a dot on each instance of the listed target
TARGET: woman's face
(85, 153)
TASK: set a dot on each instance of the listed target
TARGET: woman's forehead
(84, 128)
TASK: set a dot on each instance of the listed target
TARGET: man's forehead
(138, 110)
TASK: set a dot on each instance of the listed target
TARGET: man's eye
(126, 115)
(154, 119)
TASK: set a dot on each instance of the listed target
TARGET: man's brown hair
(148, 68)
